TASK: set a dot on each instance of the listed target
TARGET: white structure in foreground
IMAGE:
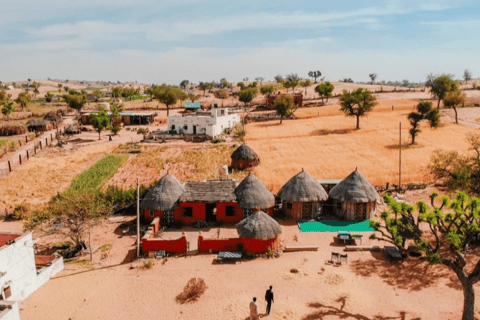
(21, 273)
(211, 123)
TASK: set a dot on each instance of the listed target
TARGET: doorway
(194, 129)
(210, 212)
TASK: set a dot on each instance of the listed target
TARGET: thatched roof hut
(357, 195)
(12, 128)
(302, 196)
(39, 125)
(55, 117)
(244, 157)
(164, 195)
(251, 193)
(71, 130)
(259, 226)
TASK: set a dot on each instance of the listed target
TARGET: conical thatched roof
(164, 195)
(259, 226)
(244, 152)
(71, 130)
(252, 194)
(304, 188)
(354, 188)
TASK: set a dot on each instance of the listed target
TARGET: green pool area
(335, 226)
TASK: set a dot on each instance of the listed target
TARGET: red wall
(269, 211)
(259, 245)
(198, 212)
(176, 246)
(221, 212)
(232, 244)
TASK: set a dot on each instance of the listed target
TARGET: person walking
(253, 309)
(269, 299)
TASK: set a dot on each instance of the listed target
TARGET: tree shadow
(406, 145)
(324, 132)
(412, 274)
(325, 312)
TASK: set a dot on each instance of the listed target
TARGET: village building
(259, 233)
(253, 196)
(329, 206)
(127, 118)
(302, 197)
(192, 106)
(39, 125)
(244, 157)
(212, 124)
(271, 98)
(355, 197)
(21, 272)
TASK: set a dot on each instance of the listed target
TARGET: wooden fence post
(28, 156)
(41, 148)
(20, 143)
(51, 138)
(34, 149)
(46, 142)
(9, 166)
(26, 139)
(20, 158)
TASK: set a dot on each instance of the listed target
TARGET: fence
(20, 157)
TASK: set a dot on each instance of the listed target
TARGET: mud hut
(71, 130)
(39, 125)
(355, 197)
(244, 157)
(302, 196)
(163, 200)
(260, 233)
(252, 196)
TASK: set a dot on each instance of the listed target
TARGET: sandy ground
(367, 287)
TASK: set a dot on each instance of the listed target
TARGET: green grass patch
(104, 248)
(99, 173)
(81, 263)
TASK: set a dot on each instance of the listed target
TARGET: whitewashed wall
(48, 272)
(12, 313)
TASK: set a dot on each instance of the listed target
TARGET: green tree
(467, 75)
(49, 97)
(325, 90)
(425, 111)
(4, 96)
(100, 121)
(247, 95)
(291, 81)
(204, 86)
(440, 86)
(278, 78)
(224, 83)
(452, 227)
(97, 94)
(266, 90)
(23, 99)
(142, 131)
(305, 84)
(357, 103)
(315, 75)
(8, 109)
(115, 109)
(373, 77)
(454, 99)
(241, 85)
(117, 92)
(35, 85)
(76, 100)
(168, 95)
(184, 84)
(285, 105)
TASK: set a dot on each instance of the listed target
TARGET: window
(230, 211)
(150, 213)
(188, 212)
(173, 127)
(185, 127)
(339, 205)
(289, 205)
(6, 292)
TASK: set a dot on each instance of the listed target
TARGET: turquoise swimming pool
(335, 226)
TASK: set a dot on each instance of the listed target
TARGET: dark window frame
(289, 206)
(188, 212)
(230, 211)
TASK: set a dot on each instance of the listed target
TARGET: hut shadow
(413, 274)
(130, 225)
(78, 140)
(130, 257)
(323, 311)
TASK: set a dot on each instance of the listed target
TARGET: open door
(210, 212)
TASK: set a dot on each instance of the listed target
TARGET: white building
(21, 273)
(211, 123)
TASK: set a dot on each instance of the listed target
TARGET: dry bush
(194, 289)
(12, 128)
(148, 263)
(294, 270)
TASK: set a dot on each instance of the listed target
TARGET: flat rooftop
(7, 236)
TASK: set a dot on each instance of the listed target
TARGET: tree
(315, 75)
(78, 210)
(60, 86)
(115, 109)
(453, 227)
(97, 94)
(454, 99)
(247, 95)
(373, 77)
(241, 85)
(35, 85)
(49, 97)
(168, 96)
(260, 79)
(325, 90)
(425, 112)
(184, 84)
(117, 92)
(224, 83)
(266, 90)
(278, 78)
(4, 96)
(222, 93)
(285, 105)
(440, 85)
(23, 99)
(100, 121)
(76, 100)
(245, 79)
(203, 86)
(357, 103)
(291, 81)
(142, 131)
(7, 109)
(305, 84)
(467, 75)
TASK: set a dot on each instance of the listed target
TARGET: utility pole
(138, 218)
(400, 158)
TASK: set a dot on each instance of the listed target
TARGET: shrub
(217, 140)
(238, 130)
(148, 263)
(221, 93)
(194, 289)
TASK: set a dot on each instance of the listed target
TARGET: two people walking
(254, 307)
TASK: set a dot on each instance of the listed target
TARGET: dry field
(326, 145)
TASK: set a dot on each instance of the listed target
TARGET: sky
(166, 41)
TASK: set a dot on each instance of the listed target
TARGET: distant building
(21, 272)
(127, 118)
(212, 123)
(192, 106)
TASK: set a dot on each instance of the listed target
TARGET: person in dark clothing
(269, 299)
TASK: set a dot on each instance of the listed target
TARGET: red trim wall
(235, 244)
(175, 246)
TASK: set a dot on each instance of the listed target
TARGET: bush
(217, 140)
(221, 93)
(194, 289)
(148, 263)
(238, 130)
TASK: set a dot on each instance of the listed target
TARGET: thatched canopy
(164, 195)
(259, 226)
(303, 188)
(38, 123)
(354, 188)
(251, 193)
(53, 116)
(209, 191)
(244, 152)
(71, 130)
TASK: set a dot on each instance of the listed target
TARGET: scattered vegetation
(217, 140)
(357, 103)
(148, 263)
(425, 112)
(285, 106)
(194, 289)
